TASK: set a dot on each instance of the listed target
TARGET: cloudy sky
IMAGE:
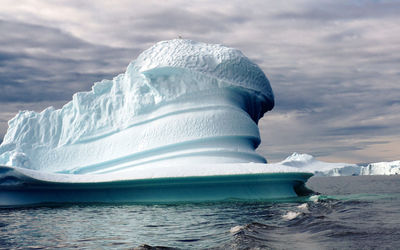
(334, 66)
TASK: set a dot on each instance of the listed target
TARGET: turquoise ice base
(272, 186)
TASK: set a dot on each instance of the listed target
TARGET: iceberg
(381, 168)
(179, 125)
(307, 163)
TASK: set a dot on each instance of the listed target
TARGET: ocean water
(358, 212)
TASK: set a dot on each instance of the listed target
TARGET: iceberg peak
(297, 159)
(214, 60)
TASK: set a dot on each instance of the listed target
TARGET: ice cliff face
(179, 101)
(382, 168)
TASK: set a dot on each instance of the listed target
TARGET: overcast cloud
(334, 65)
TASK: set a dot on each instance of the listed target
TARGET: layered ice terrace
(179, 102)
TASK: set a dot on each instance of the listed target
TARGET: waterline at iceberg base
(179, 125)
(262, 187)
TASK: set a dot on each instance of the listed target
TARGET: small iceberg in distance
(307, 163)
(179, 125)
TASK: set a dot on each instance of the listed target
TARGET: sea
(354, 212)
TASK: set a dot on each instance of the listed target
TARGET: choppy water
(351, 212)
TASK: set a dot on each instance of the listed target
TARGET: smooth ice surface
(155, 172)
(179, 102)
(18, 189)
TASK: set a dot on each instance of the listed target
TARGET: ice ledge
(155, 171)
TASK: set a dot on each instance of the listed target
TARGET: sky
(334, 66)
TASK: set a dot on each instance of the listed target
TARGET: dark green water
(350, 213)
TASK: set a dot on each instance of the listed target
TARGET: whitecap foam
(236, 229)
(303, 207)
(291, 215)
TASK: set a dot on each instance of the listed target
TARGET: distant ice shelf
(307, 163)
(179, 125)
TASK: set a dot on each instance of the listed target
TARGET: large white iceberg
(182, 109)
(179, 100)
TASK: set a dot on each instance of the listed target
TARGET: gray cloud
(353, 130)
(177, 19)
(344, 10)
(44, 64)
